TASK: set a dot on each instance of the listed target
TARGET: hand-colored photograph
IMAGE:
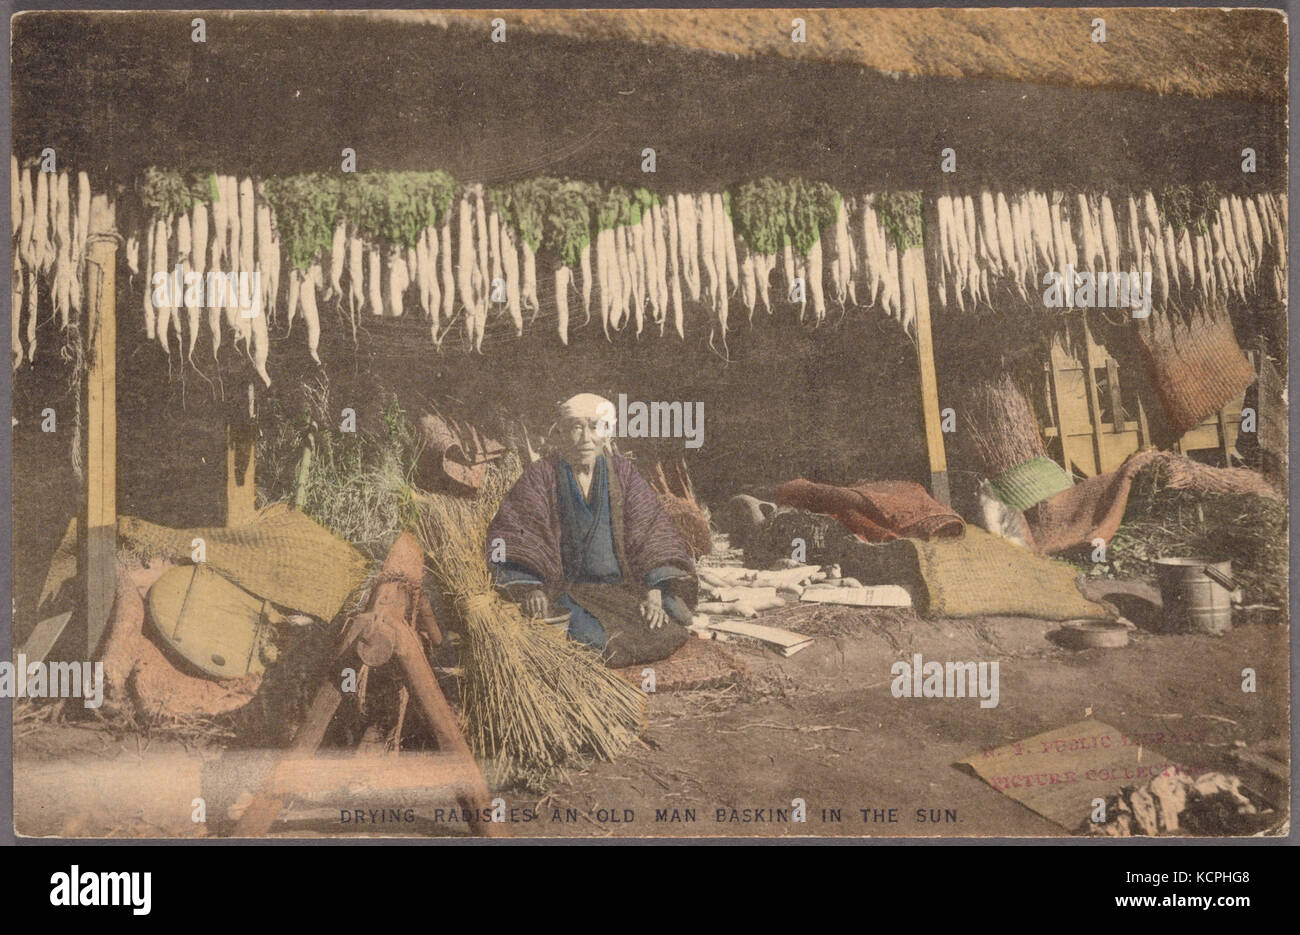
(575, 424)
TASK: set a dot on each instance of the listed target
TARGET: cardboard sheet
(1058, 773)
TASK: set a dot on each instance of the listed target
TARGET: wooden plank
(1117, 418)
(916, 285)
(100, 534)
(44, 636)
(1090, 381)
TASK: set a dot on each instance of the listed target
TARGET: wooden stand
(385, 631)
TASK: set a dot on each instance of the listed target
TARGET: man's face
(583, 440)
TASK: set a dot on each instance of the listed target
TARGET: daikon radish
(398, 280)
(295, 299)
(412, 269)
(584, 264)
(708, 255)
(636, 264)
(271, 273)
(41, 232)
(623, 278)
(374, 280)
(16, 306)
(605, 266)
(162, 309)
(837, 263)
(815, 280)
(873, 255)
(1243, 235)
(721, 214)
(672, 244)
(494, 245)
(15, 199)
(338, 256)
(421, 270)
(510, 263)
(150, 313)
(654, 278)
(310, 313)
(481, 248)
(446, 268)
(1255, 229)
(689, 245)
(465, 261)
(63, 249)
(31, 314)
(748, 280)
(892, 297)
(356, 276)
(528, 279)
(220, 225)
(233, 255)
(1160, 265)
(788, 271)
(843, 253)
(660, 217)
(193, 309)
(27, 234)
(82, 229)
(991, 257)
(199, 237)
(767, 263)
(435, 285)
(722, 253)
(247, 224)
(1006, 236)
(562, 276)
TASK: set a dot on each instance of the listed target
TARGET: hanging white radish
(709, 252)
(1006, 237)
(15, 198)
(673, 245)
(748, 280)
(338, 256)
(815, 284)
(562, 276)
(41, 231)
(510, 263)
(660, 225)
(31, 314)
(398, 280)
(445, 266)
(584, 264)
(374, 280)
(688, 232)
(838, 260)
(465, 263)
(310, 314)
(607, 271)
(356, 276)
(162, 293)
(494, 245)
(723, 217)
(63, 249)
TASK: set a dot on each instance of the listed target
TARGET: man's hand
(652, 609)
(536, 604)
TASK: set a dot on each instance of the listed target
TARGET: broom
(532, 701)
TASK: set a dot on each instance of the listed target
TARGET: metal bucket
(1197, 594)
(558, 622)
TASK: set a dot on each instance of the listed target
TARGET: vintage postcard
(651, 424)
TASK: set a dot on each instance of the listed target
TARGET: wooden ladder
(380, 634)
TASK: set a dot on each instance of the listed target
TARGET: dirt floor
(821, 726)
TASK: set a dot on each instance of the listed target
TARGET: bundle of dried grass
(532, 701)
(999, 428)
(689, 517)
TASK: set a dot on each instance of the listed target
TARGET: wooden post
(241, 463)
(916, 286)
(100, 539)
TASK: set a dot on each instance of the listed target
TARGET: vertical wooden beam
(1090, 382)
(916, 285)
(100, 539)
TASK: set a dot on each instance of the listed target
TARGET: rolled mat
(1028, 483)
(1195, 366)
(878, 511)
(1094, 508)
(283, 556)
(978, 575)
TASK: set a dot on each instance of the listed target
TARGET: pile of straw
(532, 701)
(999, 428)
(1162, 521)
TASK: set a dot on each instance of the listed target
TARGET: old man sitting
(581, 532)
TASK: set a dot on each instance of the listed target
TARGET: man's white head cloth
(588, 406)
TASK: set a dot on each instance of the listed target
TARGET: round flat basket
(1093, 634)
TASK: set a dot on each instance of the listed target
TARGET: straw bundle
(532, 701)
(1000, 430)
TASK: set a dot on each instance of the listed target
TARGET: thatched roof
(1194, 52)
